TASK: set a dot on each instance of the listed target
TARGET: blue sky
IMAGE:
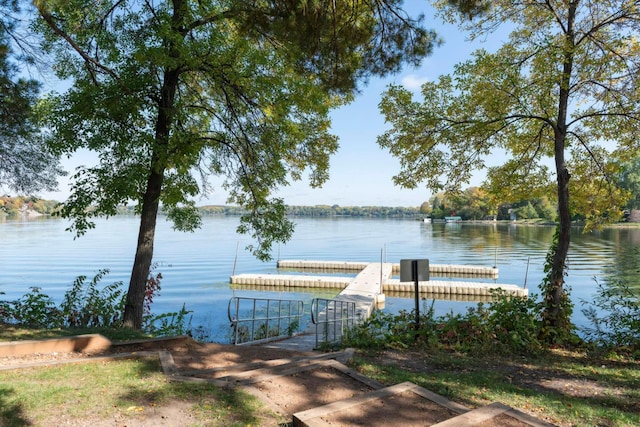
(361, 172)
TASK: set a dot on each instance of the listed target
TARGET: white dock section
(434, 269)
(442, 287)
(365, 289)
(302, 264)
(291, 280)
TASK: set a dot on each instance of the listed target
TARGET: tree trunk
(554, 314)
(555, 293)
(133, 312)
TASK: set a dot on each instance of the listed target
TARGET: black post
(414, 274)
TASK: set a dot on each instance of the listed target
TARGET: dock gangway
(260, 320)
(332, 318)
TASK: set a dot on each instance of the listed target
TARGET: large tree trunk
(133, 311)
(555, 297)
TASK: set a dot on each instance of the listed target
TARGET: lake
(196, 266)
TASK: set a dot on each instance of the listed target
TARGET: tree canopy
(629, 179)
(561, 94)
(171, 93)
(26, 165)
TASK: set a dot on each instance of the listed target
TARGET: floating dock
(444, 288)
(436, 270)
(375, 278)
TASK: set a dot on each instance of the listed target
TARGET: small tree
(527, 211)
(629, 179)
(425, 208)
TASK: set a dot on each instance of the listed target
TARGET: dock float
(291, 280)
(391, 287)
(436, 270)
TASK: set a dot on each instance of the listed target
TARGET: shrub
(515, 322)
(35, 310)
(507, 325)
(169, 324)
(85, 305)
(615, 316)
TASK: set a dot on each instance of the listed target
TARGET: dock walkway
(364, 290)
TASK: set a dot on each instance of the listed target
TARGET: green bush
(516, 322)
(614, 313)
(507, 325)
(169, 324)
(34, 310)
(87, 305)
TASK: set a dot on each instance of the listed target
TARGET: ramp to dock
(365, 289)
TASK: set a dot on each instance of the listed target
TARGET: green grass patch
(123, 389)
(560, 387)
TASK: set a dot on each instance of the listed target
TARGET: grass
(568, 389)
(117, 390)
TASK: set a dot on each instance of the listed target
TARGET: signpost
(415, 270)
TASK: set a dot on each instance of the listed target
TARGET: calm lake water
(196, 266)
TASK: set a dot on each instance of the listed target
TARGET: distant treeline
(326, 211)
(13, 206)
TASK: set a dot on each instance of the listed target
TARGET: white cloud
(413, 82)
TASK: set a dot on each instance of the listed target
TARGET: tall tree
(563, 87)
(26, 165)
(172, 92)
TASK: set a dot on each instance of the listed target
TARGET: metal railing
(256, 320)
(332, 319)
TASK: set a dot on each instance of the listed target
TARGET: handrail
(332, 318)
(267, 319)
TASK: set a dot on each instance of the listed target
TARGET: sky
(361, 172)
